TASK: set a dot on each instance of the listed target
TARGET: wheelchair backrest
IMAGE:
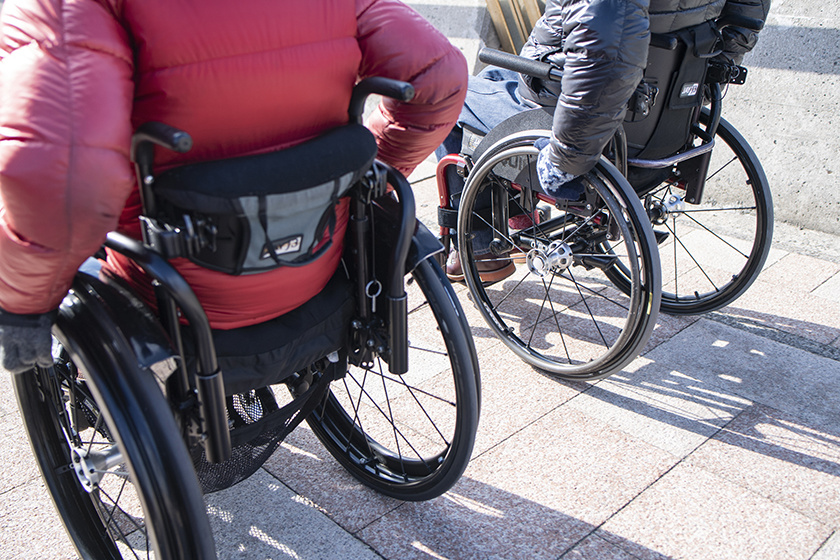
(666, 104)
(256, 213)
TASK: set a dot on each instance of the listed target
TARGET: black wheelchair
(585, 302)
(144, 411)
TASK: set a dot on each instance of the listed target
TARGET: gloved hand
(25, 340)
(554, 181)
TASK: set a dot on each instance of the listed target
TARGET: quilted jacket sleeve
(398, 43)
(738, 40)
(65, 98)
(605, 46)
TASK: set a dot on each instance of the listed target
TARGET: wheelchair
(146, 408)
(559, 310)
(586, 300)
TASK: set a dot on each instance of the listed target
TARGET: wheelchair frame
(690, 165)
(143, 366)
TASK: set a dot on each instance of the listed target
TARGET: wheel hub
(671, 205)
(91, 466)
(542, 260)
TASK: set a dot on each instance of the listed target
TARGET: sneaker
(490, 267)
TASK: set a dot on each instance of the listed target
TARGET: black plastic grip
(162, 135)
(401, 91)
(667, 42)
(535, 68)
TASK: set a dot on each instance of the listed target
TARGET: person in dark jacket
(601, 47)
(605, 45)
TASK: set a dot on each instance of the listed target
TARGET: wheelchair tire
(409, 436)
(714, 250)
(556, 307)
(142, 498)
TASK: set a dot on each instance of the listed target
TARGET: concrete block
(465, 22)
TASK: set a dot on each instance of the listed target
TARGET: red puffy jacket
(77, 77)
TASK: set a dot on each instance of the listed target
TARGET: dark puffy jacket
(605, 45)
(671, 15)
(738, 41)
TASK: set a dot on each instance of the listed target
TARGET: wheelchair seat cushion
(269, 352)
(258, 212)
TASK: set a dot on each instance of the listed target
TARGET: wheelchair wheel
(712, 252)
(110, 455)
(409, 436)
(557, 308)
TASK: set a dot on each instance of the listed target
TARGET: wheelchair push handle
(528, 66)
(143, 155)
(161, 134)
(401, 91)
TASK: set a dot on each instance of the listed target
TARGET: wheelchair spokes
(406, 435)
(90, 461)
(713, 248)
(558, 309)
(97, 461)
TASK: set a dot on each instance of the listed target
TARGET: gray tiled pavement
(721, 441)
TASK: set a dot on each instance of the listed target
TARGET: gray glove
(554, 181)
(25, 341)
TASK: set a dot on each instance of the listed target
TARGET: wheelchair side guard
(128, 323)
(540, 118)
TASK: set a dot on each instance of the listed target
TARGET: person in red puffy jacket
(242, 78)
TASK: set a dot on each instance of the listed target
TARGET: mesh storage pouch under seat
(255, 357)
(256, 213)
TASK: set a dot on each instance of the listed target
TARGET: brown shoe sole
(487, 277)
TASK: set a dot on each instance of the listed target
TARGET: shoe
(518, 256)
(491, 268)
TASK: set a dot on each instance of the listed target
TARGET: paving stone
(261, 518)
(781, 458)
(722, 362)
(660, 406)
(830, 550)
(594, 547)
(30, 528)
(535, 495)
(694, 515)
